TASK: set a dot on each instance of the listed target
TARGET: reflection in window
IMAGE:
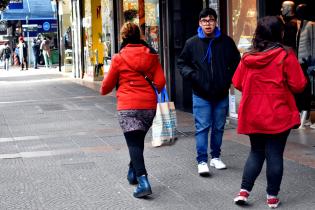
(147, 17)
(243, 22)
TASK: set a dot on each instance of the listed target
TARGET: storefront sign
(16, 4)
(30, 27)
(39, 26)
(46, 26)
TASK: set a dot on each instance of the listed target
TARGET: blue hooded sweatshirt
(201, 35)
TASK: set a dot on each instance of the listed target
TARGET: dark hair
(268, 33)
(130, 14)
(130, 33)
(208, 12)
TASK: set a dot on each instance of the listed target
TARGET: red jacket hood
(259, 60)
(138, 57)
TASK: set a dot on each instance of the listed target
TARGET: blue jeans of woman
(269, 147)
(209, 114)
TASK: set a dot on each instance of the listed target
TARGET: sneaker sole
(212, 165)
(143, 194)
(204, 174)
(273, 206)
(240, 202)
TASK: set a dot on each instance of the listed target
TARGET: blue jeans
(267, 147)
(47, 59)
(7, 64)
(209, 114)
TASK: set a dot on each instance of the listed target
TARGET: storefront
(146, 14)
(165, 25)
(97, 39)
(107, 37)
(241, 23)
(70, 36)
(66, 31)
(30, 19)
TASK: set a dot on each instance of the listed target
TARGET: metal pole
(58, 29)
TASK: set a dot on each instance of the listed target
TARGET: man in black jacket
(209, 60)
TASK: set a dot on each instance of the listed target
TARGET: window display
(243, 22)
(147, 17)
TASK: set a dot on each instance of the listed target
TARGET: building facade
(166, 25)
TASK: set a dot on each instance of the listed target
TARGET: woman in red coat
(136, 99)
(267, 77)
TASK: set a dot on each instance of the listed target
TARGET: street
(61, 147)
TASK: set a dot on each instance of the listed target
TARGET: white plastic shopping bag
(165, 121)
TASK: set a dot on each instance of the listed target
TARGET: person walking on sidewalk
(136, 99)
(23, 53)
(6, 56)
(208, 61)
(267, 76)
(45, 47)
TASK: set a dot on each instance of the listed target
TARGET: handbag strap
(163, 96)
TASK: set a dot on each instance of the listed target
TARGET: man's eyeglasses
(207, 21)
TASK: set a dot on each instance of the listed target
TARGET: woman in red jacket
(267, 77)
(136, 99)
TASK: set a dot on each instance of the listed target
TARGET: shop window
(242, 22)
(241, 27)
(105, 37)
(146, 14)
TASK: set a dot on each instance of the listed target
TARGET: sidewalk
(61, 148)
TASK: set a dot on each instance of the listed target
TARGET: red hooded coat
(267, 81)
(127, 69)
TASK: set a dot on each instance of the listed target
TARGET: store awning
(34, 9)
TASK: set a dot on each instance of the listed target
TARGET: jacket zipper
(211, 65)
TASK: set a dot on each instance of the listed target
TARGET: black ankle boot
(143, 188)
(131, 176)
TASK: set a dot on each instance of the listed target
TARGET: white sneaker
(217, 163)
(203, 169)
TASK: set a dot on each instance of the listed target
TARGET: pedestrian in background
(6, 56)
(267, 76)
(306, 56)
(290, 24)
(208, 61)
(23, 53)
(36, 51)
(16, 56)
(136, 99)
(45, 47)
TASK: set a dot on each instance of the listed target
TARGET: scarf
(202, 35)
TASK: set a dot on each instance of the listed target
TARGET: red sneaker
(273, 202)
(241, 198)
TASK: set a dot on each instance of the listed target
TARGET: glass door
(146, 14)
